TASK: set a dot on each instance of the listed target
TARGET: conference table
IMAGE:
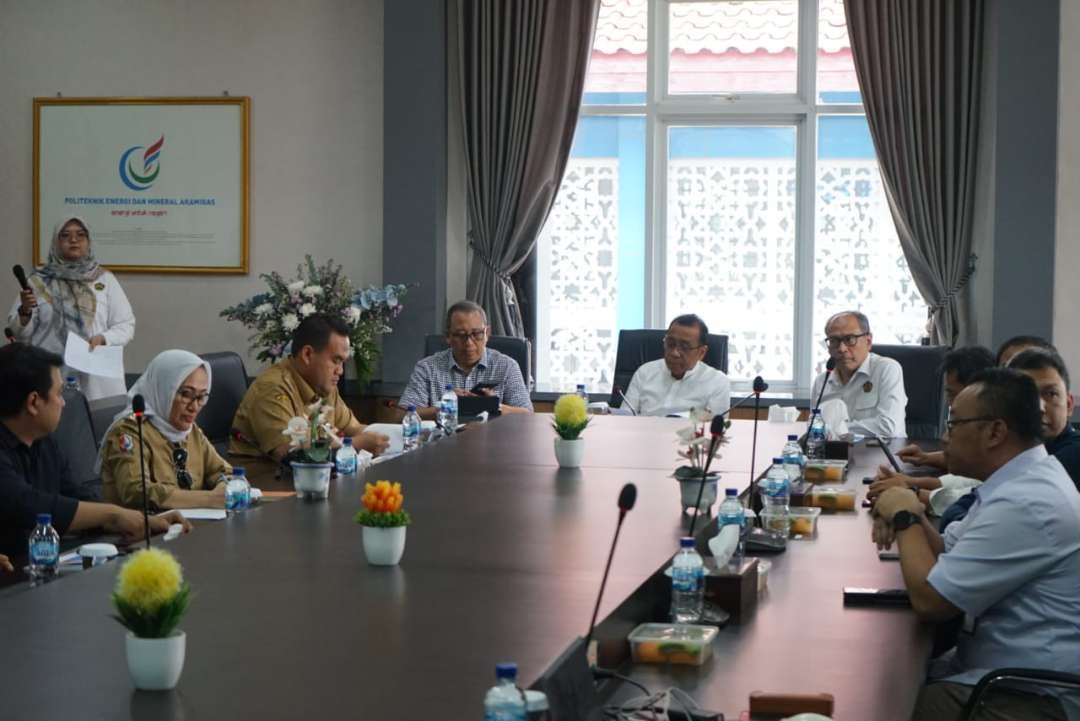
(502, 563)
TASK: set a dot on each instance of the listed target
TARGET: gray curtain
(919, 64)
(522, 74)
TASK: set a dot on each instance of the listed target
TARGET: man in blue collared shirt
(1010, 568)
(465, 365)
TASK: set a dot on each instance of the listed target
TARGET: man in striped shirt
(465, 365)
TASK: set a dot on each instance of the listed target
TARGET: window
(722, 166)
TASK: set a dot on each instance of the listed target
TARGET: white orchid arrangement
(313, 438)
(694, 443)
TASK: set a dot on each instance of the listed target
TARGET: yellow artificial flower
(149, 579)
(383, 497)
(571, 410)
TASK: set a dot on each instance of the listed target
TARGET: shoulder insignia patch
(124, 443)
(99, 286)
(867, 387)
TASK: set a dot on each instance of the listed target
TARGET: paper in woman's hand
(105, 360)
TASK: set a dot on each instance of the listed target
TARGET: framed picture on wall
(162, 183)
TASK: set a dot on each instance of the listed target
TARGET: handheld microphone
(138, 405)
(626, 403)
(20, 275)
(830, 365)
(9, 335)
(627, 498)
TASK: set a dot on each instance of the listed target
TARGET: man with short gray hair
(468, 365)
(870, 386)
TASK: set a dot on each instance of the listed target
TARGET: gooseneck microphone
(760, 386)
(716, 430)
(619, 392)
(627, 498)
(830, 366)
(138, 405)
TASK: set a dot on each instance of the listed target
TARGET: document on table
(105, 360)
(203, 514)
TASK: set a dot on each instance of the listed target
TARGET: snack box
(824, 471)
(677, 643)
(831, 498)
(803, 521)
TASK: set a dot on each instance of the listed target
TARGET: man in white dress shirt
(680, 380)
(870, 386)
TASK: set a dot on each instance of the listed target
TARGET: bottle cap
(449, 386)
(581, 386)
(412, 408)
(506, 670)
(731, 492)
(793, 437)
(686, 542)
(346, 441)
(71, 379)
(238, 470)
(44, 519)
(779, 460)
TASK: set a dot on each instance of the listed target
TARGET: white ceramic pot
(384, 546)
(155, 664)
(688, 490)
(311, 479)
(569, 453)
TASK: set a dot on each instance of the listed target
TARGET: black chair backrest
(520, 349)
(924, 384)
(102, 413)
(229, 383)
(638, 347)
(75, 436)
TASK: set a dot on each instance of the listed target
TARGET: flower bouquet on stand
(150, 600)
(312, 442)
(571, 418)
(384, 522)
(694, 444)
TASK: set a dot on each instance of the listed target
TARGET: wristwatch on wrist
(902, 520)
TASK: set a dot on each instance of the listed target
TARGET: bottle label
(686, 579)
(44, 553)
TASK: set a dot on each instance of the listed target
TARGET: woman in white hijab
(182, 468)
(71, 292)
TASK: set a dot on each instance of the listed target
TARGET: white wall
(1067, 251)
(314, 72)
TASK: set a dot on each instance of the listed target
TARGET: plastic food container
(824, 471)
(677, 643)
(803, 521)
(832, 498)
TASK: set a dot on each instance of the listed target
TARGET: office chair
(638, 347)
(924, 385)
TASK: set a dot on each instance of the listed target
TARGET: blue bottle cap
(412, 408)
(346, 441)
(44, 519)
(449, 386)
(779, 460)
(731, 492)
(581, 386)
(793, 437)
(238, 470)
(506, 670)
(71, 379)
(686, 542)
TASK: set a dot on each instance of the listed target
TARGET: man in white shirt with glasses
(870, 386)
(680, 380)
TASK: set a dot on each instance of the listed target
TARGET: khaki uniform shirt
(121, 481)
(278, 395)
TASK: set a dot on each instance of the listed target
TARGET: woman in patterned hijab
(73, 293)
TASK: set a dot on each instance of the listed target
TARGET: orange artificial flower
(382, 497)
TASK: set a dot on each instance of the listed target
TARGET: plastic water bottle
(504, 701)
(345, 458)
(71, 383)
(815, 439)
(44, 548)
(237, 492)
(448, 410)
(410, 430)
(793, 458)
(730, 513)
(687, 583)
(582, 392)
(776, 504)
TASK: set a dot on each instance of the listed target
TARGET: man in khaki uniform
(320, 347)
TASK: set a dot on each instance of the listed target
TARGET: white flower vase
(311, 480)
(569, 453)
(155, 664)
(688, 490)
(384, 546)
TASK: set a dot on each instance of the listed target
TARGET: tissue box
(678, 643)
(734, 591)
